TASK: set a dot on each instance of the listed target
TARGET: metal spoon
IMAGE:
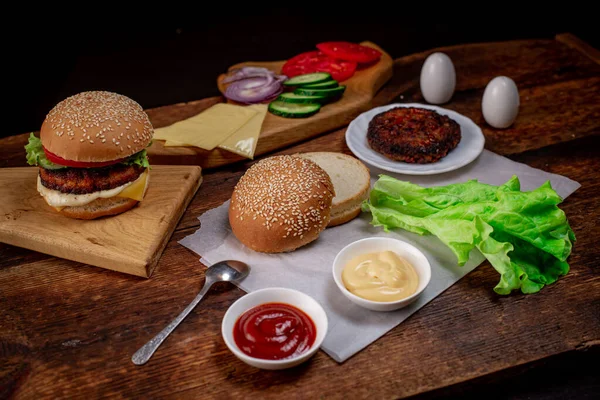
(224, 271)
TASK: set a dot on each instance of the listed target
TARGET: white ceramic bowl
(376, 244)
(275, 295)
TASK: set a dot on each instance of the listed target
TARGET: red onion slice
(247, 72)
(251, 83)
(253, 90)
(274, 96)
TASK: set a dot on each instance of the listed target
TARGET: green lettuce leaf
(36, 155)
(140, 158)
(525, 235)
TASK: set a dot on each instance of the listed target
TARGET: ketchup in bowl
(274, 331)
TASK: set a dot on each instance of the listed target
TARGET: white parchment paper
(309, 269)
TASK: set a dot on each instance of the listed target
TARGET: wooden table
(69, 330)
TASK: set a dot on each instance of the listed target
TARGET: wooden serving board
(278, 132)
(131, 242)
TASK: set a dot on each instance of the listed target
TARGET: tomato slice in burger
(78, 164)
(315, 61)
(350, 52)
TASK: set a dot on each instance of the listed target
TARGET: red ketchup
(274, 331)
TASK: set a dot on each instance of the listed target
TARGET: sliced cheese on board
(172, 143)
(243, 141)
(208, 129)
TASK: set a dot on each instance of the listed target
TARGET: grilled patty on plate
(413, 135)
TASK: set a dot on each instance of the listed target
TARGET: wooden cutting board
(131, 242)
(278, 132)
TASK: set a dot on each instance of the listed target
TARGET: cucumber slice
(296, 98)
(323, 85)
(337, 91)
(293, 110)
(308, 79)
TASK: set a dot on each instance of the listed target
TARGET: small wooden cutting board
(131, 242)
(278, 132)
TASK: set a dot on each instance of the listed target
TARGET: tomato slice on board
(315, 61)
(350, 52)
(78, 164)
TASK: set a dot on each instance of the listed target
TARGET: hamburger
(91, 155)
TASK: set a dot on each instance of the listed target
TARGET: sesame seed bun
(96, 126)
(100, 208)
(280, 204)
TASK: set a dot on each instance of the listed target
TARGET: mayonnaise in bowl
(380, 276)
(381, 273)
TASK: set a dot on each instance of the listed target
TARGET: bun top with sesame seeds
(281, 203)
(96, 126)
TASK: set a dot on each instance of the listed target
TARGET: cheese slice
(243, 141)
(208, 129)
(172, 143)
(137, 189)
(161, 133)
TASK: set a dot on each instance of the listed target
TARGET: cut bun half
(351, 180)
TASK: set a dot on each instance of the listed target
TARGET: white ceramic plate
(468, 149)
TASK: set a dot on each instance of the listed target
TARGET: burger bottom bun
(100, 208)
(346, 215)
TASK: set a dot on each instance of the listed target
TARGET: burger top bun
(96, 126)
(281, 203)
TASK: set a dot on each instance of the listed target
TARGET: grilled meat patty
(88, 180)
(413, 135)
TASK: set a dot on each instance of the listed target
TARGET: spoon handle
(145, 352)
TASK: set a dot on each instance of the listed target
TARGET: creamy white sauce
(58, 199)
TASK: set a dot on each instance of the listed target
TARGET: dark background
(173, 53)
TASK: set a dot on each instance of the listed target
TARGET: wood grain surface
(278, 132)
(130, 242)
(69, 330)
